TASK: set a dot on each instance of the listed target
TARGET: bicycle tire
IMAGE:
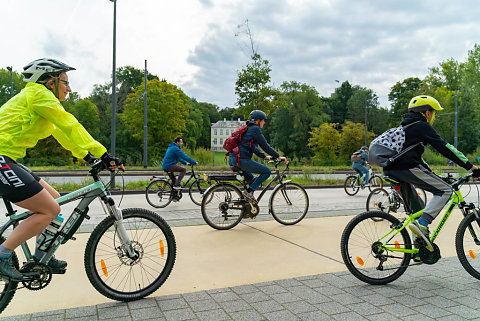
(109, 269)
(159, 193)
(197, 190)
(422, 194)
(8, 287)
(467, 249)
(375, 182)
(225, 208)
(289, 203)
(360, 236)
(378, 200)
(350, 185)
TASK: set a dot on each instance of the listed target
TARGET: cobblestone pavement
(443, 291)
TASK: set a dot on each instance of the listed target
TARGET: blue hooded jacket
(251, 140)
(174, 155)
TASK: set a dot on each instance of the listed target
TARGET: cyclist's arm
(262, 142)
(431, 137)
(185, 159)
(67, 130)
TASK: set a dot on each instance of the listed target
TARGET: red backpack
(231, 143)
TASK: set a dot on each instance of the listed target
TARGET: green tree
(336, 105)
(299, 110)
(18, 85)
(325, 141)
(168, 108)
(252, 86)
(352, 138)
(400, 96)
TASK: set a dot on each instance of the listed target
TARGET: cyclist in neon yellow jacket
(33, 114)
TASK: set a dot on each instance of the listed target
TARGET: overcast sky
(199, 46)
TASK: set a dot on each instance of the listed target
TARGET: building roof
(229, 123)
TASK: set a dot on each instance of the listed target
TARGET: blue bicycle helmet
(257, 114)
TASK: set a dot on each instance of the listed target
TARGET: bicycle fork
(126, 243)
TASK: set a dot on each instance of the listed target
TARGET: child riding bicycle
(411, 170)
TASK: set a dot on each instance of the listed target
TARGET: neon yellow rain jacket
(35, 113)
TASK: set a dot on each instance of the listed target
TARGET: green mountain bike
(128, 256)
(377, 249)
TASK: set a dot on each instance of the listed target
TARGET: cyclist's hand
(112, 163)
(90, 159)
(284, 159)
(476, 172)
(268, 158)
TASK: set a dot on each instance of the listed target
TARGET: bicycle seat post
(9, 207)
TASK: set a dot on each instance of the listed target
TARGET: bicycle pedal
(59, 271)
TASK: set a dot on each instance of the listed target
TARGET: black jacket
(251, 139)
(423, 132)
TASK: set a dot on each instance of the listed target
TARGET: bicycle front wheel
(362, 249)
(159, 193)
(289, 203)
(116, 275)
(467, 245)
(378, 200)
(197, 190)
(225, 207)
(375, 182)
(351, 185)
(7, 286)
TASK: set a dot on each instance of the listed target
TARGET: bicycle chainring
(37, 275)
(428, 257)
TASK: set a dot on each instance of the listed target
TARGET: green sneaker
(8, 269)
(423, 232)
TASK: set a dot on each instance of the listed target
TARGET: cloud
(366, 42)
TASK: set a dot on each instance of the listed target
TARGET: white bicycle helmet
(40, 69)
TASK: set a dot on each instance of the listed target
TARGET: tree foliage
(325, 142)
(168, 108)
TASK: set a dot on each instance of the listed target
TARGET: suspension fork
(120, 227)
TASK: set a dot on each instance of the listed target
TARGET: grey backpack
(387, 147)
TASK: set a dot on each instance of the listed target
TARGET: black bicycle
(226, 207)
(128, 256)
(160, 192)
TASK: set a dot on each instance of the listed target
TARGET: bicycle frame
(68, 229)
(192, 175)
(279, 177)
(456, 200)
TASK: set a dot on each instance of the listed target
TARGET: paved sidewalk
(443, 291)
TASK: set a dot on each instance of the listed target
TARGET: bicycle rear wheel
(117, 276)
(225, 208)
(363, 254)
(159, 193)
(197, 190)
(422, 194)
(7, 286)
(467, 245)
(375, 182)
(289, 203)
(378, 200)
(351, 185)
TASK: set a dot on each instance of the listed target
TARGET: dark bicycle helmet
(257, 114)
(43, 68)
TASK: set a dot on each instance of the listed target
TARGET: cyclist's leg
(232, 161)
(176, 169)
(45, 208)
(255, 167)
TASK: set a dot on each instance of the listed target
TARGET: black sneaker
(7, 269)
(55, 264)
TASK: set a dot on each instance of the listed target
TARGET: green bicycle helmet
(420, 104)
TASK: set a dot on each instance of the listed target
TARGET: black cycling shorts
(17, 182)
